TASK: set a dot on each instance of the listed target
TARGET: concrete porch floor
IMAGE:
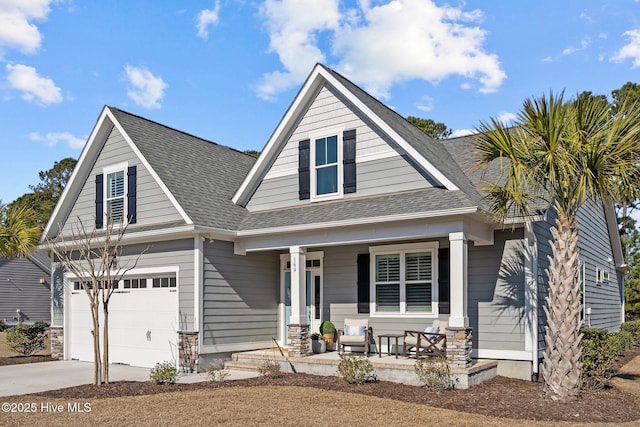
(387, 368)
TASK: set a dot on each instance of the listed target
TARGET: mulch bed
(499, 397)
(19, 360)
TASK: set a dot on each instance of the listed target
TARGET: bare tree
(94, 257)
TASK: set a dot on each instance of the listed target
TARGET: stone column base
(459, 346)
(188, 351)
(298, 342)
(56, 337)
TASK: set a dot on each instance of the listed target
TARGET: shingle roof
(201, 175)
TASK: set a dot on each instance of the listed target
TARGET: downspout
(531, 295)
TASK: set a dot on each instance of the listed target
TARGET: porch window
(404, 278)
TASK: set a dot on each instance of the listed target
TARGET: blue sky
(226, 70)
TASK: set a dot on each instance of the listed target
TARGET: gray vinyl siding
(496, 292)
(604, 299)
(240, 295)
(177, 253)
(542, 232)
(153, 206)
(20, 288)
(376, 176)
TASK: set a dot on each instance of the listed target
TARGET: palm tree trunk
(562, 367)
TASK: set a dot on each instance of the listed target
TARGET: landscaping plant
(27, 339)
(434, 373)
(269, 369)
(217, 373)
(164, 373)
(356, 369)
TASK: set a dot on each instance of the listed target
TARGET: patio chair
(430, 342)
(356, 333)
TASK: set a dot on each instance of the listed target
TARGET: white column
(458, 278)
(298, 285)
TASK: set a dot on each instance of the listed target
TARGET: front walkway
(387, 368)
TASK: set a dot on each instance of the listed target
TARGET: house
(25, 294)
(349, 211)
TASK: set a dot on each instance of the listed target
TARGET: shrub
(27, 339)
(434, 373)
(217, 372)
(3, 326)
(327, 327)
(632, 327)
(619, 342)
(597, 358)
(164, 373)
(269, 369)
(356, 369)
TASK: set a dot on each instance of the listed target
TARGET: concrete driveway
(37, 377)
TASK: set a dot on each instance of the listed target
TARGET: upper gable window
(115, 196)
(326, 166)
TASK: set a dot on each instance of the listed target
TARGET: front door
(314, 299)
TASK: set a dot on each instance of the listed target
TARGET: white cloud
(547, 59)
(379, 45)
(208, 17)
(584, 43)
(630, 50)
(146, 90)
(17, 31)
(506, 117)
(426, 105)
(52, 139)
(34, 88)
(293, 26)
(462, 132)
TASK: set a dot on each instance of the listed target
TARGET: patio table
(388, 337)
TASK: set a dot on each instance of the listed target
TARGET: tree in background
(44, 196)
(629, 93)
(19, 233)
(563, 153)
(434, 129)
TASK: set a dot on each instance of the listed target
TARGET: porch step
(243, 366)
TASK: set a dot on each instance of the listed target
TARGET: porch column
(458, 279)
(298, 328)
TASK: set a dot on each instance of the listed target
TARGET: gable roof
(198, 176)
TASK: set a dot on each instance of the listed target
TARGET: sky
(227, 70)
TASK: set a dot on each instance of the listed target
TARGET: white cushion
(354, 330)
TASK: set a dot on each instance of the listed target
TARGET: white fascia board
(151, 171)
(359, 221)
(103, 124)
(426, 164)
(258, 168)
(501, 354)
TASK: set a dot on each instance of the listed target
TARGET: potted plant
(328, 331)
(318, 345)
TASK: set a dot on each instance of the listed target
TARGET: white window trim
(124, 166)
(324, 133)
(402, 250)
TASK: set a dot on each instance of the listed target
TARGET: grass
(250, 406)
(5, 351)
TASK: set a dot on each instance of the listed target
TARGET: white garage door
(142, 323)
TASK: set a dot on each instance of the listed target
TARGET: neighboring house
(25, 293)
(350, 211)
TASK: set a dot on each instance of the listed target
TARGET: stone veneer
(188, 351)
(459, 346)
(56, 336)
(298, 342)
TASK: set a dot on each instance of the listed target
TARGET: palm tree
(562, 153)
(18, 232)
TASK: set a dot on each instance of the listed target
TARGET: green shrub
(327, 327)
(3, 326)
(164, 373)
(27, 339)
(434, 373)
(633, 327)
(356, 369)
(619, 342)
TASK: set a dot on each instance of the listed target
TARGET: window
(134, 283)
(115, 196)
(326, 165)
(404, 278)
(164, 282)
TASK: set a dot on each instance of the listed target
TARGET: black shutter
(363, 283)
(444, 289)
(99, 201)
(304, 177)
(349, 160)
(131, 196)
